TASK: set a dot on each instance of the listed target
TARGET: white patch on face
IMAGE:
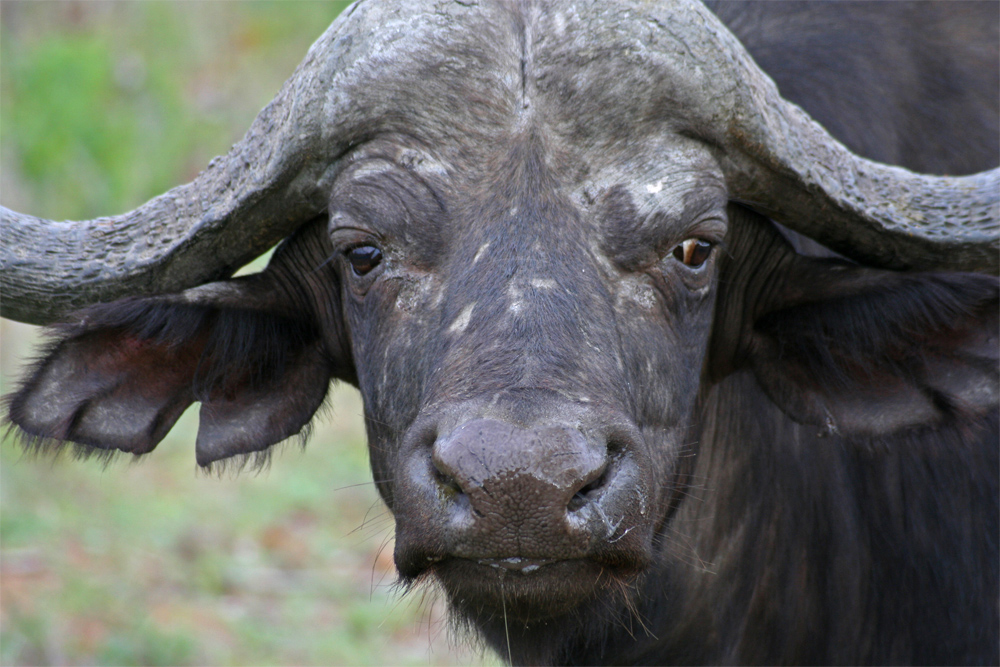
(479, 253)
(416, 293)
(516, 305)
(638, 293)
(385, 367)
(601, 259)
(371, 168)
(513, 211)
(653, 188)
(543, 283)
(462, 321)
(421, 163)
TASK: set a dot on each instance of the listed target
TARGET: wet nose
(522, 495)
(498, 472)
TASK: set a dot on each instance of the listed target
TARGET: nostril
(451, 490)
(616, 445)
(590, 491)
(577, 502)
(444, 479)
(449, 486)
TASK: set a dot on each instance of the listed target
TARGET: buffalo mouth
(523, 521)
(525, 590)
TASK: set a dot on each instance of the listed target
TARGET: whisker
(385, 543)
(503, 601)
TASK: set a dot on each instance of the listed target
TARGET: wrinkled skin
(618, 417)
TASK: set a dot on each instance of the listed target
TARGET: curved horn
(268, 184)
(781, 162)
(194, 233)
(789, 167)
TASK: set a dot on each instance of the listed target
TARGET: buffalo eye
(364, 258)
(693, 252)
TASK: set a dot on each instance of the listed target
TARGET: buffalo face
(529, 344)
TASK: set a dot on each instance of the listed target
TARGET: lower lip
(526, 589)
(478, 571)
(517, 564)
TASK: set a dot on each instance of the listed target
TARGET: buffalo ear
(122, 374)
(867, 352)
(252, 350)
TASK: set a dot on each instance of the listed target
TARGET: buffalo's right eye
(364, 258)
(693, 252)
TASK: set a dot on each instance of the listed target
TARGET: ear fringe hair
(259, 461)
(255, 463)
(37, 447)
(234, 336)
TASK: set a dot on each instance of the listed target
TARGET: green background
(104, 105)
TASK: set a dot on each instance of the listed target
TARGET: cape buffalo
(655, 370)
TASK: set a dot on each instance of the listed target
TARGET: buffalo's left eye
(364, 258)
(693, 252)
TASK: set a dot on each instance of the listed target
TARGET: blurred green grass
(102, 106)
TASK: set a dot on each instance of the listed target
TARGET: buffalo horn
(779, 161)
(272, 181)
